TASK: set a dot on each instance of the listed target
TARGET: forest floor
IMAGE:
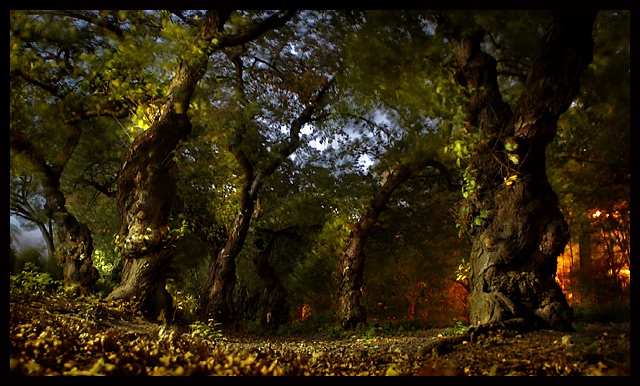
(51, 335)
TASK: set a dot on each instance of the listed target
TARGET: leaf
(511, 179)
(510, 146)
(392, 371)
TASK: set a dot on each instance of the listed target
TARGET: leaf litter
(53, 336)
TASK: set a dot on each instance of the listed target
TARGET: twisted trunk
(75, 244)
(146, 193)
(147, 183)
(514, 251)
(147, 180)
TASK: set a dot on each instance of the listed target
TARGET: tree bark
(514, 250)
(146, 193)
(351, 312)
(147, 185)
(75, 244)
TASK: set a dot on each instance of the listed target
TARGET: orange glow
(563, 274)
(305, 311)
(608, 253)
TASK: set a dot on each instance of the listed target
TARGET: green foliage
(457, 327)
(463, 272)
(614, 310)
(209, 330)
(32, 281)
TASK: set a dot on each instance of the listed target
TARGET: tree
(49, 105)
(398, 115)
(351, 312)
(25, 203)
(522, 232)
(414, 253)
(589, 164)
(217, 300)
(71, 70)
(146, 183)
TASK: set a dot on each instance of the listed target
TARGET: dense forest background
(294, 129)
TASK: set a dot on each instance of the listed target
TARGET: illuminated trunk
(147, 180)
(521, 231)
(146, 192)
(147, 184)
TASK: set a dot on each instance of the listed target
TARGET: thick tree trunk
(514, 250)
(147, 180)
(146, 193)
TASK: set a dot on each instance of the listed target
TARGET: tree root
(472, 334)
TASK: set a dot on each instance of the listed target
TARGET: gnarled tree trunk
(75, 246)
(146, 192)
(514, 252)
(147, 184)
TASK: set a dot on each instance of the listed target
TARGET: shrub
(31, 281)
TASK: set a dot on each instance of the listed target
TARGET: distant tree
(25, 202)
(50, 54)
(589, 162)
(292, 104)
(351, 311)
